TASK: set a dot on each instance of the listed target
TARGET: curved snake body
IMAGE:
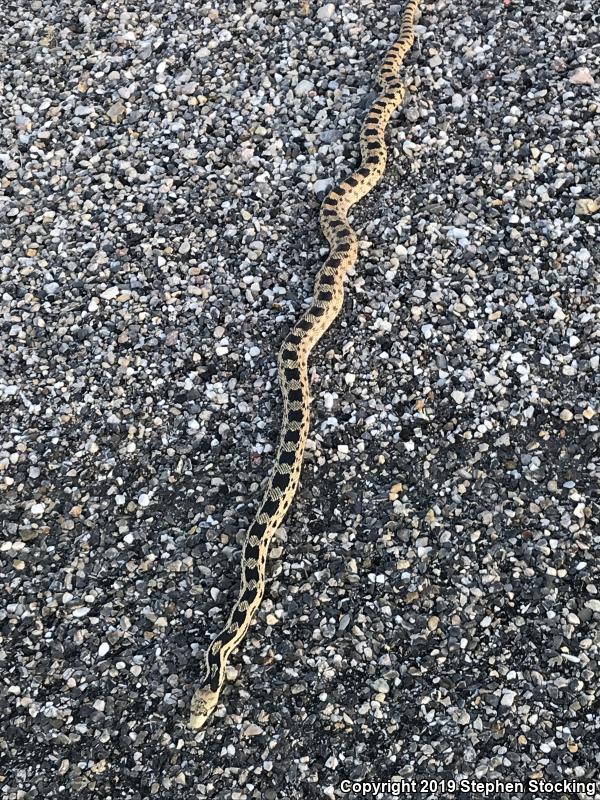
(293, 367)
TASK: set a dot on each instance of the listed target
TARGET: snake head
(204, 702)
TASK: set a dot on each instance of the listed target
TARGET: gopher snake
(293, 367)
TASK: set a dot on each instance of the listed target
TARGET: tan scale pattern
(293, 367)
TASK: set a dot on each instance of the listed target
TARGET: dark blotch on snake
(257, 529)
(252, 551)
(287, 457)
(280, 481)
(238, 616)
(270, 506)
(293, 437)
(251, 574)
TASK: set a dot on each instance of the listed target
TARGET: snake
(292, 367)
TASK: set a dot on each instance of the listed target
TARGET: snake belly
(293, 367)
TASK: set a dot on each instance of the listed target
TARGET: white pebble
(326, 12)
(381, 685)
(37, 509)
(143, 500)
(457, 233)
(303, 88)
(581, 76)
(322, 185)
(508, 698)
(103, 649)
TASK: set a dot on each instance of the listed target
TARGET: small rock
(585, 206)
(326, 12)
(381, 685)
(303, 88)
(507, 699)
(116, 111)
(322, 186)
(457, 233)
(253, 730)
(581, 77)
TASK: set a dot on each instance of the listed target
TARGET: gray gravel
(435, 594)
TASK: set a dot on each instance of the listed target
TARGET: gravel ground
(434, 598)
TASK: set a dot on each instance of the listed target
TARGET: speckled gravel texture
(434, 597)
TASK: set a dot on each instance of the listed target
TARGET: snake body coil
(293, 367)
